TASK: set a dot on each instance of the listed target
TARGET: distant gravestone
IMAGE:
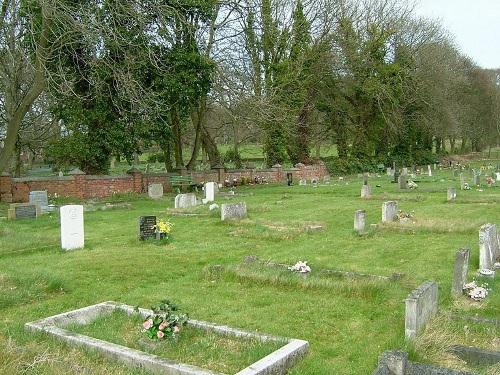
(359, 221)
(185, 200)
(497, 176)
(460, 271)
(389, 211)
(24, 211)
(314, 182)
(489, 246)
(289, 179)
(210, 188)
(404, 171)
(389, 171)
(421, 306)
(147, 228)
(233, 211)
(403, 182)
(302, 182)
(451, 194)
(72, 229)
(429, 170)
(462, 181)
(40, 198)
(476, 179)
(326, 180)
(155, 191)
(365, 191)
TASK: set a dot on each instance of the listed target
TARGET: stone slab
(24, 211)
(359, 221)
(147, 227)
(155, 191)
(476, 356)
(389, 211)
(185, 200)
(421, 306)
(233, 211)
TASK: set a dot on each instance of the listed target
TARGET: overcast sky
(474, 23)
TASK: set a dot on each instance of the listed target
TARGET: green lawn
(348, 323)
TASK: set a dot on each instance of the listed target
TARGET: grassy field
(347, 322)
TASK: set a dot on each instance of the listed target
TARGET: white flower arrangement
(300, 267)
(476, 292)
(412, 185)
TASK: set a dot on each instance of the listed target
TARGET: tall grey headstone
(389, 211)
(476, 178)
(366, 191)
(460, 271)
(155, 191)
(360, 221)
(185, 200)
(421, 306)
(489, 245)
(72, 229)
(40, 198)
(233, 211)
(403, 182)
(451, 194)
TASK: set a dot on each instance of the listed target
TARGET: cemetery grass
(348, 323)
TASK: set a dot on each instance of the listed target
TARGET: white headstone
(155, 191)
(40, 198)
(497, 176)
(452, 194)
(72, 231)
(389, 211)
(185, 200)
(366, 191)
(429, 170)
(210, 188)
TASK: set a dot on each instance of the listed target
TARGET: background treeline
(90, 80)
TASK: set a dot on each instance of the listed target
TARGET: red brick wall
(84, 187)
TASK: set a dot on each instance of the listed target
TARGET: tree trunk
(463, 145)
(176, 129)
(452, 145)
(210, 146)
(197, 117)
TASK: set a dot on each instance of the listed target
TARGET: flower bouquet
(166, 322)
(300, 267)
(163, 228)
(476, 292)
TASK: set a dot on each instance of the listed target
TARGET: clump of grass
(435, 225)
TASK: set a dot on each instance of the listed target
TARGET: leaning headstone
(185, 200)
(489, 246)
(421, 306)
(303, 182)
(460, 272)
(147, 227)
(452, 194)
(233, 211)
(389, 211)
(209, 192)
(40, 198)
(359, 221)
(72, 230)
(155, 191)
(403, 182)
(429, 170)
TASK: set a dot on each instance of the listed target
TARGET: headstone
(326, 180)
(389, 211)
(497, 176)
(289, 179)
(303, 182)
(435, 166)
(314, 182)
(452, 194)
(462, 181)
(24, 211)
(404, 172)
(476, 179)
(147, 228)
(213, 206)
(72, 230)
(421, 306)
(396, 177)
(429, 170)
(365, 191)
(210, 188)
(489, 246)
(359, 221)
(233, 211)
(403, 182)
(61, 174)
(460, 272)
(185, 200)
(155, 191)
(389, 171)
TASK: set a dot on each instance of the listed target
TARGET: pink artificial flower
(160, 334)
(177, 329)
(148, 324)
(163, 325)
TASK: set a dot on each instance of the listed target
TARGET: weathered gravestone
(489, 246)
(209, 192)
(366, 191)
(72, 229)
(421, 306)
(185, 200)
(359, 221)
(389, 211)
(476, 178)
(462, 181)
(233, 211)
(155, 191)
(460, 271)
(40, 198)
(429, 170)
(389, 171)
(24, 211)
(147, 227)
(451, 194)
(302, 182)
(403, 181)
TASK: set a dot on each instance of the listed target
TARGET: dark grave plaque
(146, 227)
(26, 212)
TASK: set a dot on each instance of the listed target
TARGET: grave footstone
(233, 211)
(489, 246)
(389, 211)
(185, 200)
(40, 198)
(460, 271)
(155, 191)
(23, 211)
(421, 306)
(359, 221)
(451, 194)
(147, 228)
(72, 229)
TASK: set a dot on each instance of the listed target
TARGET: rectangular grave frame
(277, 362)
(12, 214)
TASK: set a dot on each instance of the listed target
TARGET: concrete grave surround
(359, 221)
(389, 211)
(155, 191)
(40, 198)
(460, 271)
(421, 306)
(72, 229)
(185, 200)
(233, 211)
(23, 211)
(277, 362)
(489, 246)
(451, 194)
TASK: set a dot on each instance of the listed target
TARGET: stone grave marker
(155, 191)
(489, 246)
(40, 198)
(389, 171)
(289, 179)
(23, 211)
(462, 181)
(147, 227)
(429, 170)
(365, 189)
(404, 171)
(451, 194)
(72, 229)
(302, 182)
(233, 211)
(210, 188)
(421, 306)
(497, 176)
(359, 221)
(403, 181)
(314, 182)
(389, 211)
(327, 180)
(185, 200)
(476, 179)
(460, 271)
